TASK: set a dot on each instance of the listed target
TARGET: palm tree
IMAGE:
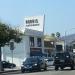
(57, 34)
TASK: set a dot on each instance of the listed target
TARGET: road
(49, 72)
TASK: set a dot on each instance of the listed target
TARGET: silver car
(50, 61)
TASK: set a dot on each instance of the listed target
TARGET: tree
(52, 34)
(57, 34)
(6, 34)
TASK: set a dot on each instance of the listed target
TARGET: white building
(32, 43)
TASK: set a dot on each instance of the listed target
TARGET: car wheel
(72, 67)
(61, 68)
(22, 71)
(39, 68)
(45, 68)
(56, 68)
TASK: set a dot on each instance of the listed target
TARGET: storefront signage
(32, 22)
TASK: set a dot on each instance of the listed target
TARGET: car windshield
(67, 54)
(60, 55)
(30, 60)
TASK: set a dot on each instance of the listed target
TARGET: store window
(39, 42)
(32, 41)
(48, 44)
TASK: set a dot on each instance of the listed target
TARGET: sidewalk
(10, 70)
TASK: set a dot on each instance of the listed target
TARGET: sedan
(33, 63)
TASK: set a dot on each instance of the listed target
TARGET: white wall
(19, 53)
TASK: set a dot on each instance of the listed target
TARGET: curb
(9, 71)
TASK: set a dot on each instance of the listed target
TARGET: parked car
(74, 58)
(6, 64)
(33, 63)
(64, 59)
(50, 61)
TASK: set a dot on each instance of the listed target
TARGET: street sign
(11, 45)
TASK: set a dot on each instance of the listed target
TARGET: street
(50, 71)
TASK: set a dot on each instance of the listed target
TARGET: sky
(59, 14)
